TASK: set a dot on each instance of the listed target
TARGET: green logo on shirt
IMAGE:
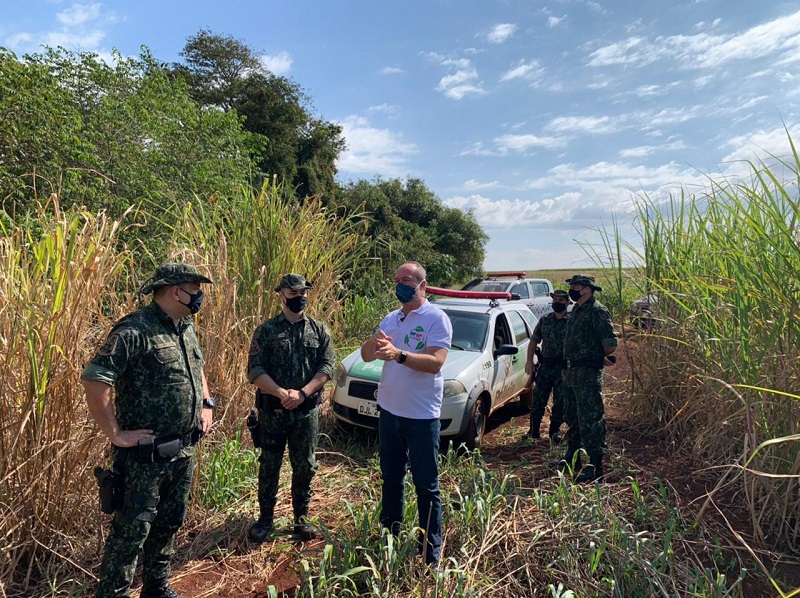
(416, 336)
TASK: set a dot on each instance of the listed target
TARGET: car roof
(512, 280)
(477, 305)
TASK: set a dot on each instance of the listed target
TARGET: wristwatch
(402, 358)
(209, 403)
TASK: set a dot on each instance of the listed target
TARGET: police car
(533, 292)
(484, 369)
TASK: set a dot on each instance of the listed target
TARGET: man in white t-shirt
(413, 341)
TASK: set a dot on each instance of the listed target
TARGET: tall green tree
(112, 135)
(409, 222)
(217, 67)
(300, 149)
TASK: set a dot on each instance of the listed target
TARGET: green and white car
(484, 369)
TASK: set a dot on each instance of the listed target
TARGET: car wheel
(475, 428)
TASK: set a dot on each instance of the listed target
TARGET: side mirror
(506, 350)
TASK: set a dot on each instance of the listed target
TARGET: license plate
(369, 408)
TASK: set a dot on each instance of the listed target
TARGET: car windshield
(492, 286)
(469, 330)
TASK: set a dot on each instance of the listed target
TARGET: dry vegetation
(714, 380)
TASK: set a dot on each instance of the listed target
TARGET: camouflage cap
(583, 280)
(172, 273)
(561, 294)
(296, 282)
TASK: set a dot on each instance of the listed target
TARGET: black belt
(150, 450)
(266, 402)
(584, 363)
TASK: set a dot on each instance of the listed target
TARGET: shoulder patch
(110, 345)
(254, 348)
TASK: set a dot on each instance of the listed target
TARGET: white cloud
(474, 185)
(501, 33)
(373, 151)
(616, 178)
(593, 125)
(87, 40)
(81, 27)
(391, 70)
(517, 213)
(761, 145)
(78, 14)
(390, 110)
(647, 150)
(279, 64)
(462, 79)
(779, 38)
(522, 143)
(19, 39)
(529, 70)
(478, 149)
(553, 22)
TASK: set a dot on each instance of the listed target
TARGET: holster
(111, 486)
(252, 425)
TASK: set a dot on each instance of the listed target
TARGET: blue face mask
(404, 293)
(195, 301)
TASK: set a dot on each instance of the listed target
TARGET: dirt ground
(630, 454)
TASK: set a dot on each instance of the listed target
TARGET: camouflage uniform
(550, 331)
(290, 354)
(156, 371)
(589, 331)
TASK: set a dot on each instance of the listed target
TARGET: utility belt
(111, 482)
(584, 363)
(151, 450)
(265, 402)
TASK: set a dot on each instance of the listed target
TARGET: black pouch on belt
(252, 425)
(310, 402)
(167, 449)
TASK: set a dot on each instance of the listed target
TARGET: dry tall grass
(64, 280)
(55, 278)
(720, 374)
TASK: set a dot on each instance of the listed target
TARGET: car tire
(473, 436)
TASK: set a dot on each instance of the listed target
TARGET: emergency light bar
(467, 294)
(506, 274)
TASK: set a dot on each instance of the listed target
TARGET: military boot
(159, 589)
(571, 461)
(304, 529)
(555, 434)
(261, 530)
(533, 431)
(593, 471)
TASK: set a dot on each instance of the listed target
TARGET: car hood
(455, 363)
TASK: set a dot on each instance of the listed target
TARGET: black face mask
(297, 304)
(559, 307)
(195, 301)
(574, 295)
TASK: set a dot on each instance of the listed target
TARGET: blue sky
(545, 119)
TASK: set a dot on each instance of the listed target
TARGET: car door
(521, 334)
(502, 383)
(522, 288)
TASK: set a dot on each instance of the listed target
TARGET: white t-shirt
(405, 392)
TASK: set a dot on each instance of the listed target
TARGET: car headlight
(340, 375)
(453, 388)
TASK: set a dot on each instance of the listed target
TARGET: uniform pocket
(166, 354)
